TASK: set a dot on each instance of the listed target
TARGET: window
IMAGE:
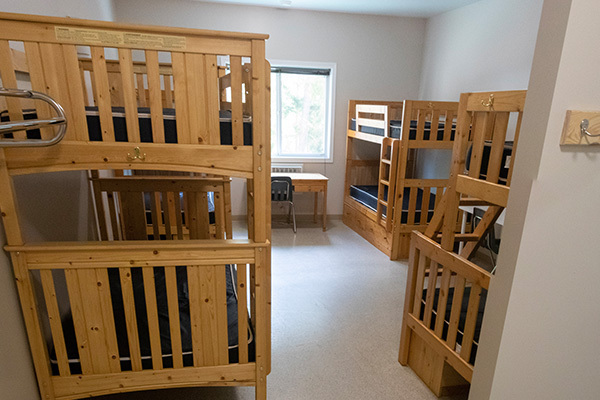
(302, 111)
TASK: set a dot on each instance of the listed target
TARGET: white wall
(377, 57)
(487, 45)
(17, 378)
(484, 46)
(549, 338)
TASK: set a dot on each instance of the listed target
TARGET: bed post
(262, 203)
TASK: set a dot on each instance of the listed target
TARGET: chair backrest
(281, 188)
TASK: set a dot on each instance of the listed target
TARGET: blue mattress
(396, 130)
(367, 195)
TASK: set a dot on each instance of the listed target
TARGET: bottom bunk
(442, 351)
(112, 317)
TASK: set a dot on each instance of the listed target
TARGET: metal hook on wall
(584, 125)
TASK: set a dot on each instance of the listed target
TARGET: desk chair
(283, 190)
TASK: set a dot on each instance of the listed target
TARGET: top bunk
(135, 97)
(372, 121)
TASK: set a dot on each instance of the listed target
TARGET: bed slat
(471, 320)
(108, 322)
(219, 215)
(412, 205)
(174, 323)
(155, 95)
(431, 285)
(196, 314)
(196, 95)
(103, 94)
(114, 224)
(459, 289)
(133, 215)
(449, 121)
(211, 75)
(9, 80)
(435, 125)
(495, 161)
(152, 311)
(81, 331)
(58, 337)
(38, 83)
(130, 318)
(442, 302)
(425, 205)
(167, 214)
(221, 313)
(422, 266)
(77, 93)
(129, 96)
(207, 280)
(237, 122)
(242, 314)
(181, 98)
(481, 123)
(168, 100)
(141, 90)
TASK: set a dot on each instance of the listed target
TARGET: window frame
(327, 157)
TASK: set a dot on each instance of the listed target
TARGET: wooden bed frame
(51, 59)
(394, 170)
(427, 346)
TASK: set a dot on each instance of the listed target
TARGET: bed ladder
(18, 123)
(483, 117)
(388, 167)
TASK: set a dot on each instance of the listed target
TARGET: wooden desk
(309, 182)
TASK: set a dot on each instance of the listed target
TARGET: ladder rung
(386, 161)
(383, 202)
(384, 182)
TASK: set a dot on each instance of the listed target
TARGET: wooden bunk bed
(147, 305)
(445, 293)
(385, 199)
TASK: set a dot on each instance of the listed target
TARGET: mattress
(396, 130)
(145, 124)
(462, 319)
(163, 316)
(367, 196)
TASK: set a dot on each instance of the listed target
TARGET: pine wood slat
(196, 314)
(155, 213)
(196, 98)
(108, 322)
(237, 124)
(515, 143)
(425, 206)
(9, 80)
(114, 217)
(442, 302)
(94, 323)
(431, 285)
(155, 96)
(102, 94)
(168, 212)
(152, 311)
(242, 314)
(168, 91)
(38, 346)
(221, 310)
(421, 118)
(182, 116)
(209, 330)
(261, 325)
(412, 206)
(38, 83)
(471, 320)
(409, 299)
(459, 289)
(482, 123)
(78, 121)
(133, 215)
(141, 90)
(435, 124)
(448, 124)
(220, 223)
(212, 99)
(490, 192)
(98, 384)
(77, 312)
(58, 338)
(497, 150)
(174, 323)
(130, 318)
(129, 96)
(422, 265)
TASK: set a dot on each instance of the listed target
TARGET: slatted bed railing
(75, 278)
